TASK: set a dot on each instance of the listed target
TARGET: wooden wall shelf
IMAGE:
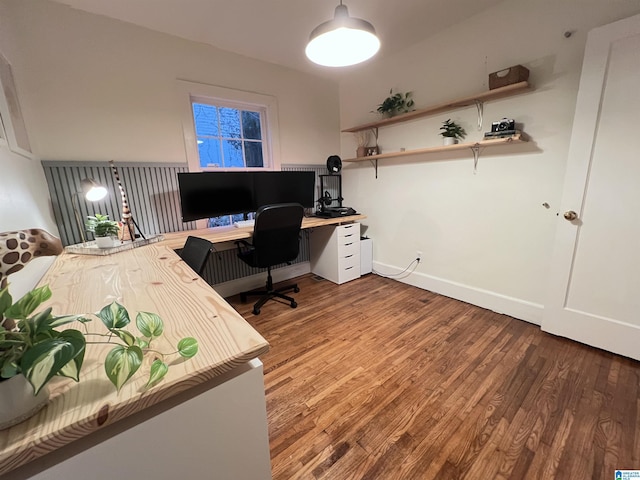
(519, 138)
(494, 94)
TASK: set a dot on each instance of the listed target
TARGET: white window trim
(200, 92)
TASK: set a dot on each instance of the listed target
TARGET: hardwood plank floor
(375, 379)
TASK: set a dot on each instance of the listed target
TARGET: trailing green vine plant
(396, 103)
(31, 346)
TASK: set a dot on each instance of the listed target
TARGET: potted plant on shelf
(452, 132)
(395, 103)
(33, 350)
(104, 229)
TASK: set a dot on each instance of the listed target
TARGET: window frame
(191, 92)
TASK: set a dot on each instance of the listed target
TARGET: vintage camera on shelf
(502, 128)
(503, 125)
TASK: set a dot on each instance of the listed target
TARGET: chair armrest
(243, 243)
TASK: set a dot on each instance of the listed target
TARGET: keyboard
(244, 223)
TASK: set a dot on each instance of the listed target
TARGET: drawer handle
(349, 256)
(348, 268)
(346, 244)
(350, 235)
(348, 226)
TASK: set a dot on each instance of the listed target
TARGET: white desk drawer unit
(335, 252)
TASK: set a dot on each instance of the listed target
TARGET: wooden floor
(375, 379)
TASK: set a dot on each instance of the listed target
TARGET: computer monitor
(212, 194)
(284, 187)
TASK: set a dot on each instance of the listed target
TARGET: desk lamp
(92, 191)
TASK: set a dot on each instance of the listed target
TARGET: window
(228, 129)
(228, 137)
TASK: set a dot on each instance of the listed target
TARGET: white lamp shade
(342, 41)
(92, 190)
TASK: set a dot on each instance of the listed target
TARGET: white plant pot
(17, 402)
(449, 140)
(104, 242)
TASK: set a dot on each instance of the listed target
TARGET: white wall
(485, 238)
(24, 198)
(97, 89)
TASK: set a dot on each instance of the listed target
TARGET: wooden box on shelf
(508, 76)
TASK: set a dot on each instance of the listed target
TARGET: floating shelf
(519, 138)
(479, 98)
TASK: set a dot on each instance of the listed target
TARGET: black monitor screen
(211, 194)
(285, 187)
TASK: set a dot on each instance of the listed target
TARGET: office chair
(275, 240)
(196, 252)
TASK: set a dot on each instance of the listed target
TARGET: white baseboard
(259, 280)
(514, 307)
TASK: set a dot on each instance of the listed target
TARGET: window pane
(232, 153)
(251, 125)
(253, 152)
(206, 119)
(219, 221)
(230, 122)
(209, 151)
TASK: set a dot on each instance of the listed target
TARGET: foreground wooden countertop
(151, 278)
(176, 240)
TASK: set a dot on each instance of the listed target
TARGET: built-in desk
(176, 240)
(206, 419)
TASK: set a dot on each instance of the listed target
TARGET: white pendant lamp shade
(342, 41)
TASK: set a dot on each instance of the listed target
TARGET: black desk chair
(195, 253)
(276, 240)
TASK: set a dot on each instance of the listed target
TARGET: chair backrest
(276, 233)
(195, 252)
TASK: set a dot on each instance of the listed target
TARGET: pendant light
(342, 41)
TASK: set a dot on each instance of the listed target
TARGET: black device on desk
(330, 206)
(212, 194)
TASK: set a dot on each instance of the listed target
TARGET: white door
(594, 291)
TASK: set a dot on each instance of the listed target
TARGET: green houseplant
(395, 103)
(31, 345)
(103, 229)
(452, 132)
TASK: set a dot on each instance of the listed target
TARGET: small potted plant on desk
(104, 229)
(451, 132)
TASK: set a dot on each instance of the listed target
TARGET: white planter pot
(449, 141)
(104, 242)
(17, 402)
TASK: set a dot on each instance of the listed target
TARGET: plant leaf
(158, 370)
(64, 319)
(114, 315)
(141, 342)
(5, 300)
(121, 363)
(45, 359)
(188, 347)
(125, 336)
(28, 303)
(72, 369)
(149, 324)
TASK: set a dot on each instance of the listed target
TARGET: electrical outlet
(419, 256)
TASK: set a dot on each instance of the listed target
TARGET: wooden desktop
(206, 419)
(176, 240)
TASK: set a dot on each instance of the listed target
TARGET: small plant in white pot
(105, 230)
(451, 132)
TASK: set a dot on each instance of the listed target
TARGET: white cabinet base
(335, 252)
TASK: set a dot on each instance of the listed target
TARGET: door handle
(570, 215)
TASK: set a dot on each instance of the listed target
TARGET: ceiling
(277, 31)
